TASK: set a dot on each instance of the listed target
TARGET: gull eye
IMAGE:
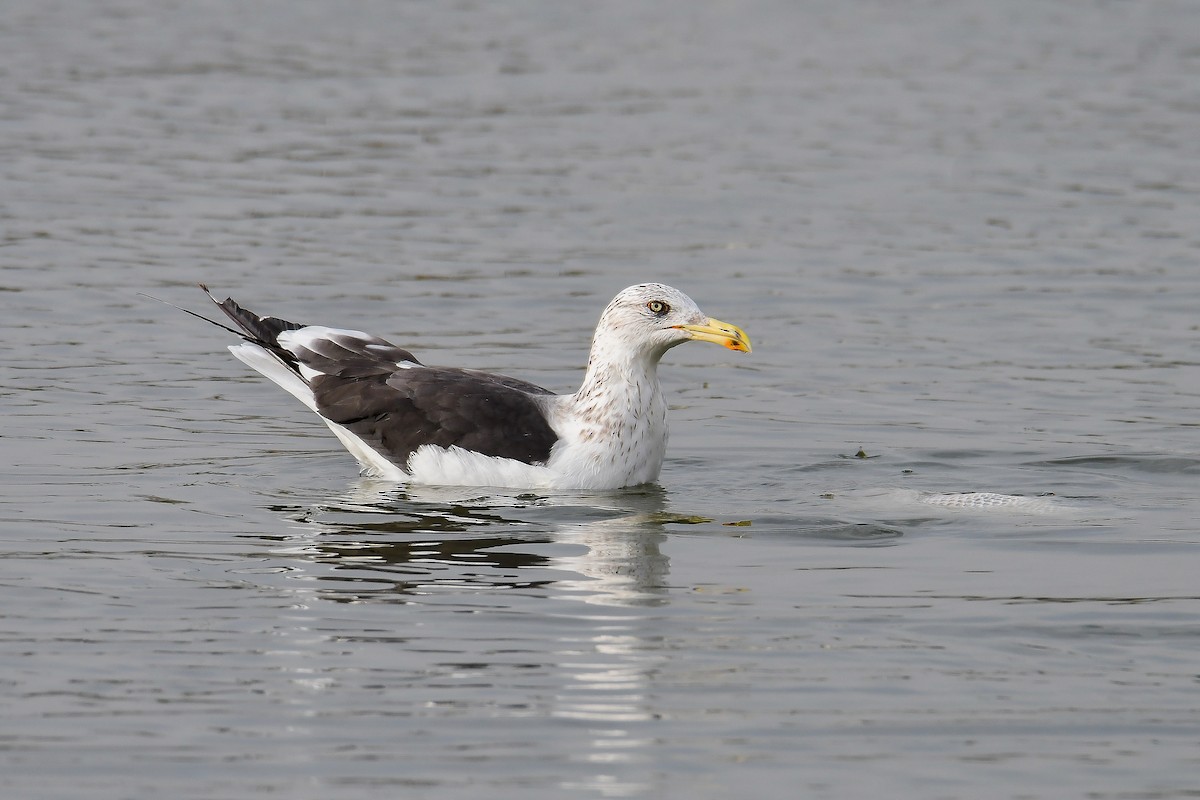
(658, 307)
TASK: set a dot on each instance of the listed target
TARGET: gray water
(962, 235)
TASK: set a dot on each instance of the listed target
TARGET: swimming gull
(406, 421)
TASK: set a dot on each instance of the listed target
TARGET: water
(962, 237)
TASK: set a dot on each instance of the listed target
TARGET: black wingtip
(259, 329)
(193, 313)
(204, 288)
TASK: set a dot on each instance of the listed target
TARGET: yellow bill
(721, 333)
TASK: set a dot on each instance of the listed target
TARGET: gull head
(651, 318)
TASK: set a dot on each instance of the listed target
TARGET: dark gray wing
(400, 412)
(385, 397)
(394, 403)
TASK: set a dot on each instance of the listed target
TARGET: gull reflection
(569, 585)
(387, 543)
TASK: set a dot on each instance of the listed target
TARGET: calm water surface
(963, 237)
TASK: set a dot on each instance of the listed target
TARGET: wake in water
(967, 502)
(988, 501)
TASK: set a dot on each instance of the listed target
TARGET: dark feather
(345, 355)
(260, 330)
(263, 331)
(397, 413)
(397, 410)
